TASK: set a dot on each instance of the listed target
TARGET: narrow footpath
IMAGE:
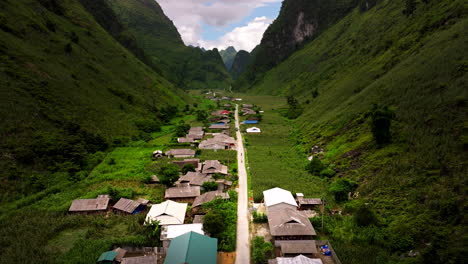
(243, 238)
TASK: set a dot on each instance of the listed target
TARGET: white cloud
(189, 16)
(242, 38)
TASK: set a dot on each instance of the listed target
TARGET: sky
(222, 23)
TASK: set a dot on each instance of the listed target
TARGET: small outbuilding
(128, 206)
(253, 130)
(296, 260)
(90, 206)
(208, 197)
(181, 153)
(151, 259)
(278, 199)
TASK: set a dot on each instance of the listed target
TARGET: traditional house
(182, 163)
(293, 248)
(208, 197)
(154, 179)
(170, 232)
(220, 113)
(89, 206)
(220, 126)
(167, 213)
(128, 206)
(196, 133)
(253, 130)
(308, 203)
(247, 106)
(193, 178)
(296, 260)
(181, 153)
(290, 224)
(150, 259)
(182, 194)
(247, 111)
(192, 248)
(186, 140)
(214, 166)
(278, 198)
(219, 141)
(223, 185)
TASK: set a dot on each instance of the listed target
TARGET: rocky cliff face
(241, 61)
(299, 22)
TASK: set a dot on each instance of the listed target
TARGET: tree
(364, 216)
(261, 250)
(341, 187)
(212, 223)
(188, 167)
(210, 186)
(201, 115)
(410, 6)
(182, 129)
(169, 174)
(381, 120)
(315, 166)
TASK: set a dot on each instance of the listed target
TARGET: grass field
(274, 161)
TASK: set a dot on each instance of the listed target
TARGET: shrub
(381, 119)
(364, 216)
(182, 129)
(210, 186)
(315, 166)
(188, 167)
(148, 125)
(169, 174)
(259, 217)
(261, 250)
(341, 187)
(327, 173)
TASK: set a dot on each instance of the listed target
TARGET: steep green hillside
(239, 64)
(413, 61)
(299, 22)
(228, 56)
(187, 67)
(69, 90)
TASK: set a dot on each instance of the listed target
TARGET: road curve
(243, 238)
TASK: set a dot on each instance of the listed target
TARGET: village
(179, 219)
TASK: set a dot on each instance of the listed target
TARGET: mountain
(70, 90)
(299, 22)
(187, 67)
(228, 56)
(397, 71)
(239, 64)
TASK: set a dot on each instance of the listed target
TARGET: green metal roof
(107, 256)
(192, 248)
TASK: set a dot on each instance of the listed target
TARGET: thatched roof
(126, 205)
(208, 197)
(218, 126)
(290, 222)
(296, 260)
(182, 163)
(89, 205)
(182, 192)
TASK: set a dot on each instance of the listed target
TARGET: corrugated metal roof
(140, 260)
(182, 192)
(126, 205)
(298, 247)
(298, 260)
(107, 256)
(277, 195)
(171, 231)
(208, 197)
(290, 222)
(168, 213)
(192, 248)
(83, 205)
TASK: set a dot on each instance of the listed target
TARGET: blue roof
(250, 122)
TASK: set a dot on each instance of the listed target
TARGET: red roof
(225, 112)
